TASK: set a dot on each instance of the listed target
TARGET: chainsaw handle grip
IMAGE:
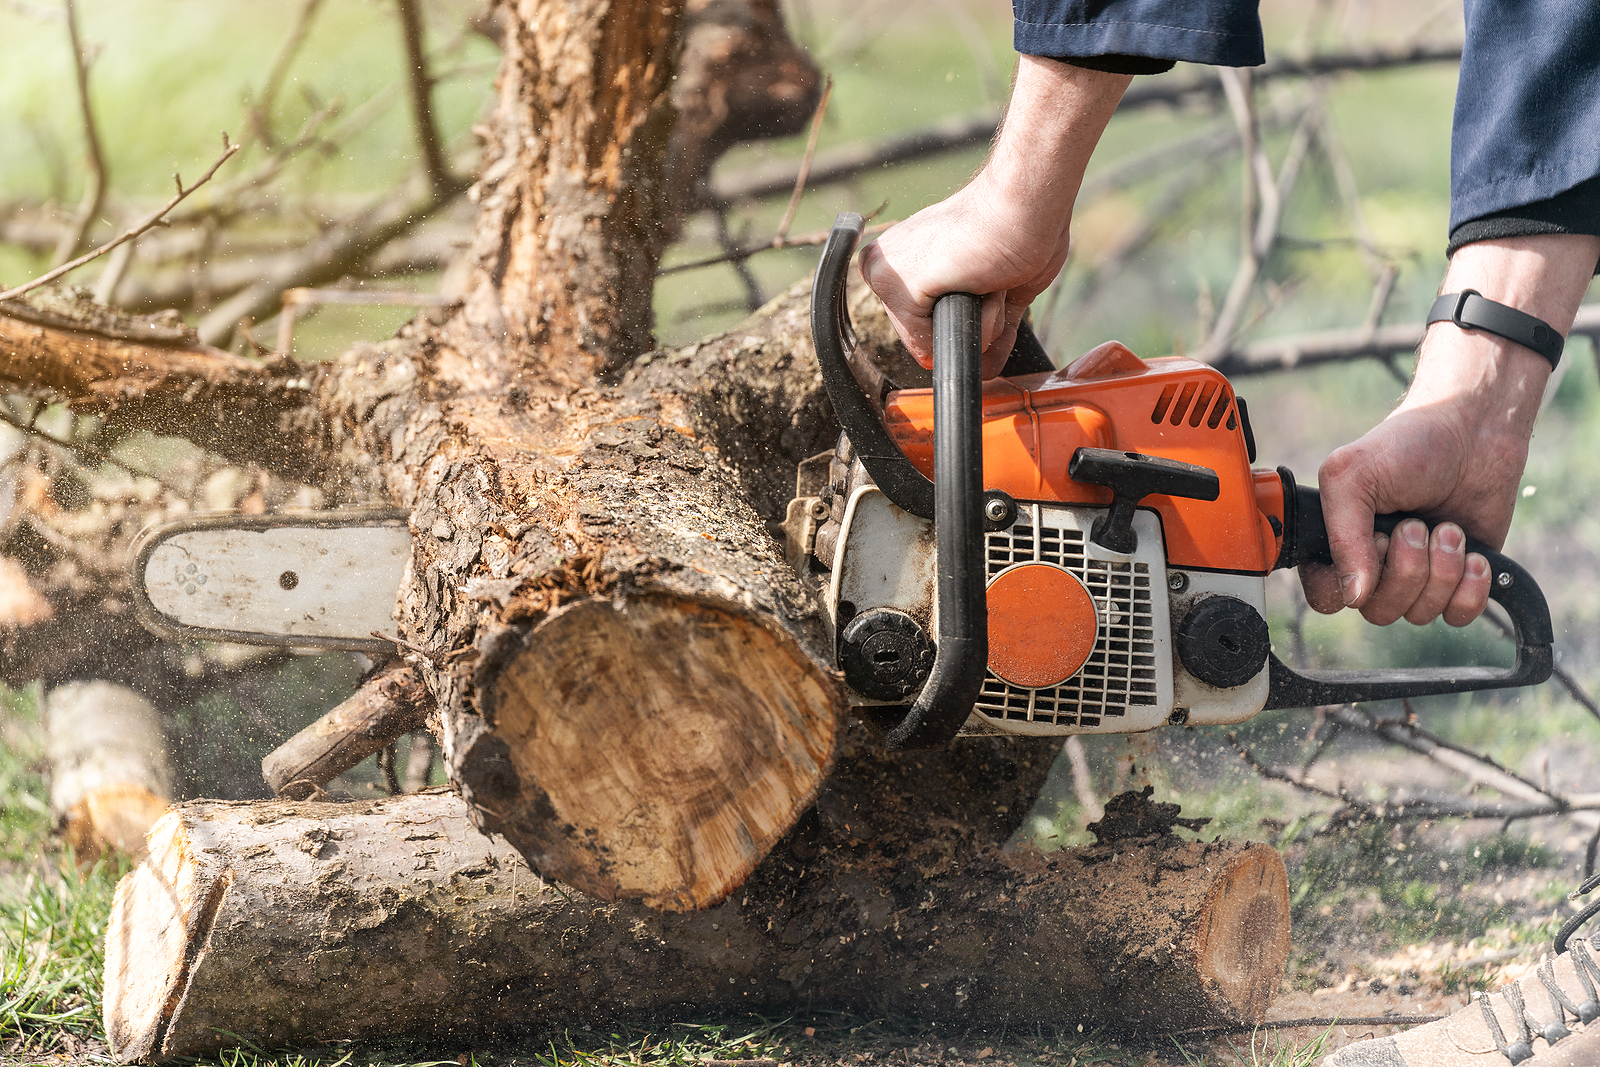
(961, 657)
(954, 504)
(835, 342)
(1510, 586)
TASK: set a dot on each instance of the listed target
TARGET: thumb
(1348, 514)
(994, 318)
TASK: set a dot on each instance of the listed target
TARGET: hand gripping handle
(835, 340)
(954, 501)
(1510, 586)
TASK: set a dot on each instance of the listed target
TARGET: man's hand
(1004, 237)
(1453, 449)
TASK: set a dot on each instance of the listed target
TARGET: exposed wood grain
(110, 773)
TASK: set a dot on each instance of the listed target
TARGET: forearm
(1056, 117)
(1497, 384)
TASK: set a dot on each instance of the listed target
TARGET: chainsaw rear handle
(1512, 587)
(954, 501)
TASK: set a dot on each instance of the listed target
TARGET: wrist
(1493, 384)
(1055, 117)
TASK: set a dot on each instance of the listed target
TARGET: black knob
(1132, 476)
(1223, 641)
(885, 654)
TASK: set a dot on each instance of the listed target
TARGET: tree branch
(968, 131)
(1338, 346)
(94, 193)
(259, 111)
(150, 221)
(421, 83)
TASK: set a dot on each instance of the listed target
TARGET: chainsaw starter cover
(1223, 641)
(885, 654)
(1042, 625)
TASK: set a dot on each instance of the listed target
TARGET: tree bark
(290, 923)
(390, 704)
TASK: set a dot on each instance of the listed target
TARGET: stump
(110, 775)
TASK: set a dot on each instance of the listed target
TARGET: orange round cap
(1042, 625)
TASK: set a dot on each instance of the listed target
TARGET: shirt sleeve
(1527, 115)
(1225, 33)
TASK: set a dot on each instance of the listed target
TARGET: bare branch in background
(421, 83)
(259, 111)
(1261, 237)
(815, 237)
(94, 191)
(1562, 675)
(970, 131)
(805, 162)
(331, 255)
(1339, 346)
(1524, 799)
(294, 299)
(150, 221)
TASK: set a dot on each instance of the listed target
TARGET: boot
(1548, 1019)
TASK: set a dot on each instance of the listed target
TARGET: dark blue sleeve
(1226, 33)
(1527, 119)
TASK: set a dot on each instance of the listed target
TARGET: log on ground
(110, 773)
(289, 923)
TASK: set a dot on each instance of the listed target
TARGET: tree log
(110, 775)
(291, 923)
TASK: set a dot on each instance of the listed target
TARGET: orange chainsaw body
(1110, 398)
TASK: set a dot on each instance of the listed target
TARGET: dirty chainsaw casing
(1082, 638)
(1122, 544)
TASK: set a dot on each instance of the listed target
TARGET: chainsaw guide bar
(324, 580)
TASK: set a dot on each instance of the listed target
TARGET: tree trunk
(292, 923)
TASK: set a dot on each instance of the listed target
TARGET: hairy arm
(1005, 235)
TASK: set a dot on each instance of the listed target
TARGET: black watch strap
(1472, 311)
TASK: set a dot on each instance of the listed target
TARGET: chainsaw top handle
(954, 502)
(1510, 585)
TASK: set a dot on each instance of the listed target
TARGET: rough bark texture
(391, 703)
(152, 373)
(570, 229)
(286, 923)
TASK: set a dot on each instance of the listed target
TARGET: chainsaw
(1064, 552)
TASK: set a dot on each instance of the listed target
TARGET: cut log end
(1242, 941)
(660, 696)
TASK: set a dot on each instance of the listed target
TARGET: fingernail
(1451, 538)
(1415, 533)
(1477, 566)
(1350, 587)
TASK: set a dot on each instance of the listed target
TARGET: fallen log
(110, 775)
(286, 924)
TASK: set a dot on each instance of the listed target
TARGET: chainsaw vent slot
(1163, 403)
(1184, 399)
(1223, 403)
(1200, 406)
(1121, 671)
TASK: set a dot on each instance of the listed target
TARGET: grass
(52, 931)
